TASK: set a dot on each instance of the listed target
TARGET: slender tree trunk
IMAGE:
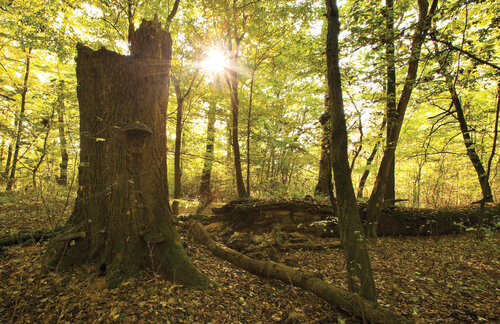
(324, 187)
(177, 149)
(20, 122)
(392, 115)
(469, 145)
(206, 173)
(60, 106)
(359, 272)
(2, 145)
(44, 149)
(495, 134)
(369, 161)
(232, 81)
(249, 125)
(122, 222)
(379, 188)
(9, 160)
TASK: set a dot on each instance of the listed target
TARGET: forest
(249, 161)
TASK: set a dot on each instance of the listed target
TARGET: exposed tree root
(353, 303)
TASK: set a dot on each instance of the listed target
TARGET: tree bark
(324, 185)
(392, 116)
(20, 123)
(379, 188)
(249, 125)
(232, 82)
(469, 145)
(310, 281)
(122, 203)
(206, 173)
(359, 272)
(177, 149)
(9, 160)
(181, 97)
(60, 106)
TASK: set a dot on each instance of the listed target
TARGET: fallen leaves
(432, 279)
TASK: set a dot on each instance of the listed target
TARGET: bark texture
(232, 82)
(359, 272)
(392, 116)
(60, 106)
(324, 185)
(368, 310)
(206, 173)
(177, 149)
(121, 221)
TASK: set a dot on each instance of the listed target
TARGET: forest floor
(446, 279)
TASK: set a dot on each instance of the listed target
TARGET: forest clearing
(242, 161)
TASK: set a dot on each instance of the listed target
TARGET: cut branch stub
(136, 134)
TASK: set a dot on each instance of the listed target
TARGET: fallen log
(30, 237)
(350, 302)
(297, 246)
(316, 217)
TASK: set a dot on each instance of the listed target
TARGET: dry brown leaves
(433, 279)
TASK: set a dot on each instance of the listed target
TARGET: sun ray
(215, 61)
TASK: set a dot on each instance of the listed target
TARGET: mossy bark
(122, 211)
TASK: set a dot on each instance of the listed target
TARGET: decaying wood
(298, 246)
(353, 303)
(30, 237)
(299, 214)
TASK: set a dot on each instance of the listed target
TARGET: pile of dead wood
(318, 217)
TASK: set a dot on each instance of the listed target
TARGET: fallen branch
(27, 238)
(297, 246)
(353, 303)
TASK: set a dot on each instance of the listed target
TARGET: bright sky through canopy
(215, 61)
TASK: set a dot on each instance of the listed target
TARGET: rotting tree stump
(121, 221)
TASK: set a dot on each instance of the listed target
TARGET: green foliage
(282, 52)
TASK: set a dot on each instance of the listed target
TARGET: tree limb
(173, 12)
(465, 52)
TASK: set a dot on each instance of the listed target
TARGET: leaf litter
(446, 279)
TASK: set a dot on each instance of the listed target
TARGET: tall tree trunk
(249, 125)
(392, 116)
(177, 149)
(122, 221)
(369, 161)
(9, 160)
(206, 173)
(232, 82)
(469, 144)
(181, 97)
(2, 145)
(324, 185)
(359, 272)
(63, 144)
(20, 122)
(379, 188)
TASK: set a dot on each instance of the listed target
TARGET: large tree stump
(122, 215)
